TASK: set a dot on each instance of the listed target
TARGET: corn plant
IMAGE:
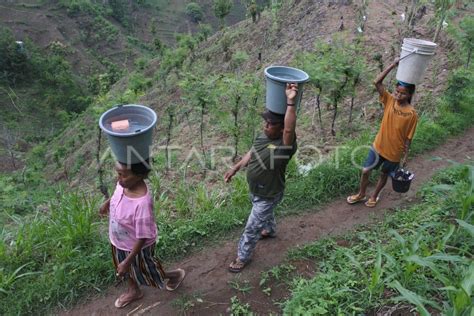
(372, 276)
(414, 299)
(407, 249)
(458, 292)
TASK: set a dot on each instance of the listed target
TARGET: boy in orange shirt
(393, 140)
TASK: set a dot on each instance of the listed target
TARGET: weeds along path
(206, 289)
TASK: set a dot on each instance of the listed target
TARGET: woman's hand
(229, 174)
(104, 209)
(122, 268)
(291, 92)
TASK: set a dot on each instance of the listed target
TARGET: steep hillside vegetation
(100, 31)
(230, 65)
(59, 55)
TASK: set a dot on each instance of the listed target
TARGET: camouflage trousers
(261, 217)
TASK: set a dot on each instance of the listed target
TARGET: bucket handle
(415, 50)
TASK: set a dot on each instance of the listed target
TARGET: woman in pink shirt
(133, 232)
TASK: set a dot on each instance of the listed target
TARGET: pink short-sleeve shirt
(131, 219)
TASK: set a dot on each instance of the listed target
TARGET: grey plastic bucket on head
(276, 79)
(130, 145)
(415, 56)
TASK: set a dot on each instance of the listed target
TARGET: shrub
(14, 64)
(194, 11)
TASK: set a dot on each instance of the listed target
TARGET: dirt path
(206, 290)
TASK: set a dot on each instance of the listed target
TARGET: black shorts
(374, 161)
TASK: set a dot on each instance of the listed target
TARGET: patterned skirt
(145, 269)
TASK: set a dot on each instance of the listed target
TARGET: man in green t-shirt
(266, 161)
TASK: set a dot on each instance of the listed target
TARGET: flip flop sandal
(172, 288)
(237, 266)
(352, 199)
(371, 203)
(121, 304)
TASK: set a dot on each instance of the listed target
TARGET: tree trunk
(333, 124)
(236, 128)
(469, 58)
(313, 124)
(255, 100)
(318, 104)
(411, 15)
(355, 83)
(100, 171)
(438, 28)
(350, 110)
(168, 139)
(12, 157)
(201, 130)
(338, 95)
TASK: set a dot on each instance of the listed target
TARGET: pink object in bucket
(120, 125)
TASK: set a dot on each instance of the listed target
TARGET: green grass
(420, 256)
(50, 256)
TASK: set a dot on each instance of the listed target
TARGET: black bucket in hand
(401, 180)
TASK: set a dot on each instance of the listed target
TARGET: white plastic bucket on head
(414, 58)
(276, 79)
(131, 144)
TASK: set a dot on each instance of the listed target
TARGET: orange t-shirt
(398, 125)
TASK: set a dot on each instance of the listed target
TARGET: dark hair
(410, 87)
(141, 169)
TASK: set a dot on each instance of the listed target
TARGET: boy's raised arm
(378, 81)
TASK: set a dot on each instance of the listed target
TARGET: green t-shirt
(267, 166)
